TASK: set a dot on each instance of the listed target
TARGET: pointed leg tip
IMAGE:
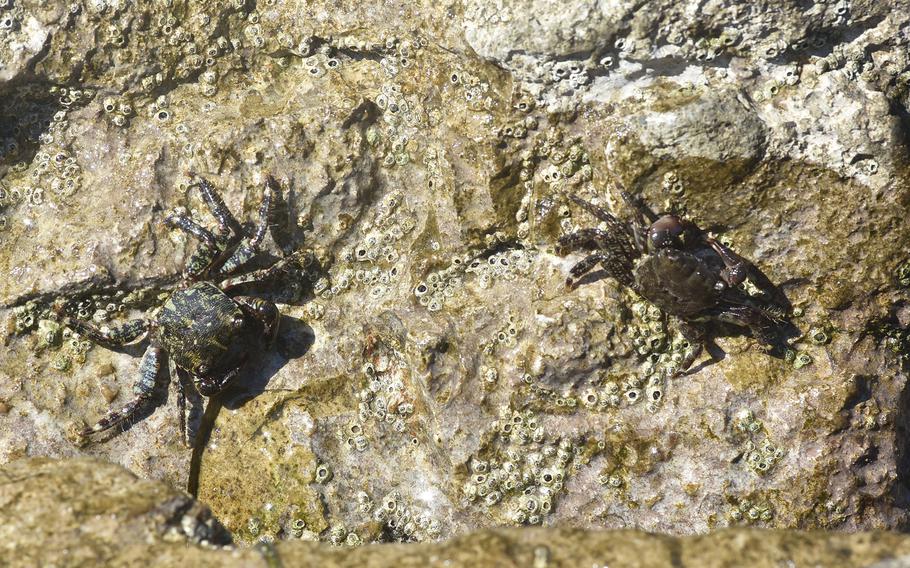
(80, 435)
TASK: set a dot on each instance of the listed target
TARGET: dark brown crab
(205, 327)
(675, 265)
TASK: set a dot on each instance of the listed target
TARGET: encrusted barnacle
(8, 23)
(903, 274)
(749, 512)
(323, 473)
(818, 336)
(297, 527)
(337, 534)
(762, 458)
(802, 360)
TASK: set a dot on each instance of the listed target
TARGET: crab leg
(226, 221)
(184, 223)
(583, 239)
(209, 251)
(125, 334)
(595, 210)
(643, 210)
(143, 389)
(186, 389)
(583, 267)
(250, 246)
(696, 339)
(761, 325)
(299, 258)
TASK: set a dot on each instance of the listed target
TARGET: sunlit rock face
(433, 374)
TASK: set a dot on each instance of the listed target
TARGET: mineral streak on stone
(431, 358)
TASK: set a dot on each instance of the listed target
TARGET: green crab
(205, 327)
(682, 270)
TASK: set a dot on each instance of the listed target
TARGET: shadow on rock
(295, 338)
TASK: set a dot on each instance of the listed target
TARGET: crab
(681, 269)
(205, 326)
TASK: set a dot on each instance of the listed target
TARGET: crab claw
(210, 386)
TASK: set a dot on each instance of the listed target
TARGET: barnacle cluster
(549, 400)
(394, 138)
(762, 455)
(386, 401)
(520, 471)
(372, 262)
(477, 93)
(903, 274)
(660, 353)
(607, 392)
(506, 336)
(504, 266)
(551, 166)
(441, 285)
(38, 119)
(748, 512)
(403, 521)
(340, 535)
(400, 53)
(893, 336)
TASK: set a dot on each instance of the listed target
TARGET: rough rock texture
(434, 375)
(85, 513)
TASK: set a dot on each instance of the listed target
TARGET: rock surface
(84, 513)
(432, 146)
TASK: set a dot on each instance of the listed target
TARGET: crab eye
(202, 369)
(237, 322)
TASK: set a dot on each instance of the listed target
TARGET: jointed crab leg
(761, 325)
(130, 332)
(583, 267)
(250, 246)
(209, 251)
(184, 223)
(643, 210)
(226, 221)
(583, 239)
(595, 210)
(300, 258)
(143, 389)
(185, 389)
(696, 339)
